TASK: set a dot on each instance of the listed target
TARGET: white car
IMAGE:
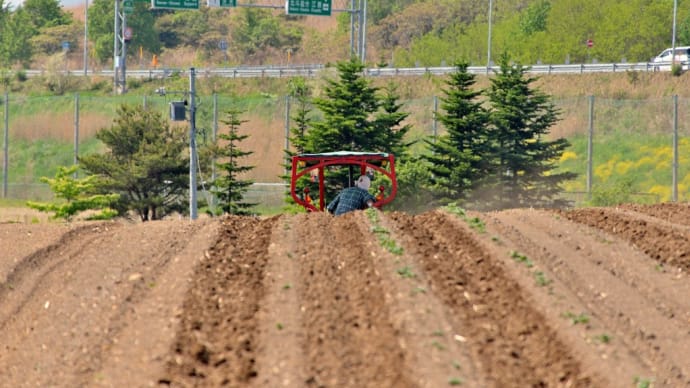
(666, 57)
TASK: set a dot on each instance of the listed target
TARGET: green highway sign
(128, 6)
(175, 4)
(222, 3)
(309, 7)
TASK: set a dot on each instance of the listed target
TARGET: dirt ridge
(522, 297)
(600, 287)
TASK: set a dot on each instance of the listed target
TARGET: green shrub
(676, 69)
(612, 194)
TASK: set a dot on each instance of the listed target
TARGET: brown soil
(517, 298)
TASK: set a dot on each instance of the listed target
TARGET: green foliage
(603, 338)
(576, 319)
(144, 162)
(458, 159)
(15, 35)
(406, 272)
(46, 13)
(228, 187)
(257, 31)
(382, 234)
(676, 69)
(520, 258)
(389, 127)
(534, 18)
(523, 161)
(355, 118)
(545, 30)
(301, 93)
(378, 10)
(612, 193)
(641, 382)
(541, 279)
(415, 193)
(496, 157)
(183, 28)
(142, 21)
(347, 105)
(49, 40)
(76, 195)
(100, 25)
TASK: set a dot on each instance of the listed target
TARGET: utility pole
(119, 68)
(358, 21)
(488, 54)
(192, 147)
(86, 33)
(673, 38)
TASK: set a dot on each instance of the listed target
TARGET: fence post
(214, 135)
(287, 129)
(590, 147)
(434, 124)
(76, 131)
(675, 148)
(5, 164)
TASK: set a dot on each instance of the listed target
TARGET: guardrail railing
(314, 70)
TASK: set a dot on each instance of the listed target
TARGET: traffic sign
(128, 33)
(590, 43)
(175, 4)
(222, 3)
(128, 6)
(308, 7)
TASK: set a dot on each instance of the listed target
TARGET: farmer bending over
(353, 198)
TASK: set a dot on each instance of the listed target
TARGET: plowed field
(595, 297)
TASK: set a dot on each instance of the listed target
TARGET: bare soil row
(586, 297)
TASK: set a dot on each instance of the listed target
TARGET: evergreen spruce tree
(144, 163)
(388, 123)
(459, 159)
(353, 120)
(301, 93)
(229, 188)
(524, 159)
(347, 107)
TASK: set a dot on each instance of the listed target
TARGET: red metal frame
(303, 164)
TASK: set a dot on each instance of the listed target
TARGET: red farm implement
(313, 169)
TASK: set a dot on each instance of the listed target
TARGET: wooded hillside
(399, 32)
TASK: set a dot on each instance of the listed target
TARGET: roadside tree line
(494, 154)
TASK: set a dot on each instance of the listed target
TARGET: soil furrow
(507, 335)
(431, 337)
(217, 341)
(163, 288)
(665, 244)
(20, 241)
(281, 359)
(145, 270)
(350, 341)
(578, 298)
(676, 213)
(596, 269)
(28, 275)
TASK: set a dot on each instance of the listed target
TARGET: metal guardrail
(314, 70)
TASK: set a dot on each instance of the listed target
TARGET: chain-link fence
(623, 147)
